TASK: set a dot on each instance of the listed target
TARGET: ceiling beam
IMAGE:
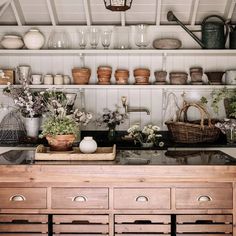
(4, 7)
(122, 17)
(87, 12)
(229, 9)
(193, 12)
(158, 12)
(16, 7)
(52, 12)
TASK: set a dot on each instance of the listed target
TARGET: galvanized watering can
(214, 34)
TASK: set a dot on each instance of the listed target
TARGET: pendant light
(118, 5)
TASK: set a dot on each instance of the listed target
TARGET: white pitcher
(230, 77)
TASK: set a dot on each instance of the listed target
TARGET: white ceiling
(86, 12)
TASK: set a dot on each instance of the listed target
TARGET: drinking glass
(106, 38)
(141, 37)
(82, 38)
(94, 37)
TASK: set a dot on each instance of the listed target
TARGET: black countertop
(130, 157)
(101, 138)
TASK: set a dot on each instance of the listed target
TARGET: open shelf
(222, 52)
(128, 86)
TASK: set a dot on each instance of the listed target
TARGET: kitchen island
(150, 192)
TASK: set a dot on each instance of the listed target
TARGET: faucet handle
(124, 100)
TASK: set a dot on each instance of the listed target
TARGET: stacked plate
(104, 74)
(122, 76)
(141, 76)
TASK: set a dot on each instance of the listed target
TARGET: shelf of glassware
(221, 52)
(127, 86)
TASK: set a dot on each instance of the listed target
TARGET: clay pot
(160, 76)
(215, 77)
(122, 76)
(178, 78)
(142, 72)
(196, 74)
(61, 142)
(81, 75)
(104, 74)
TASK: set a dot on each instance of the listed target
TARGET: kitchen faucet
(128, 109)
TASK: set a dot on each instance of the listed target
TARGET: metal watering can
(214, 34)
(232, 36)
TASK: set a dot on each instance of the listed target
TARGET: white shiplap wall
(97, 99)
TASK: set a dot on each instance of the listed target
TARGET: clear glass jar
(141, 36)
(59, 39)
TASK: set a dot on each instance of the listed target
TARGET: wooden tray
(102, 154)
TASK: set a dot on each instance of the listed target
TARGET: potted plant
(60, 128)
(228, 96)
(147, 137)
(30, 104)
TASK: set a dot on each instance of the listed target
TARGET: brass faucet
(128, 109)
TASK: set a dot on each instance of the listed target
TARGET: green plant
(228, 96)
(53, 126)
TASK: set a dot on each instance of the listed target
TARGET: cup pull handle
(17, 198)
(204, 199)
(79, 199)
(141, 199)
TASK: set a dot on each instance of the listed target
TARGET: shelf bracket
(122, 17)
(87, 12)
(193, 12)
(158, 12)
(52, 12)
(229, 9)
(164, 60)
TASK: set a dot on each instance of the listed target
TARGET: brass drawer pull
(17, 198)
(79, 199)
(204, 199)
(141, 199)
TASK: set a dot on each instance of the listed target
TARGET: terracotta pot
(160, 76)
(81, 75)
(215, 77)
(142, 72)
(177, 78)
(61, 142)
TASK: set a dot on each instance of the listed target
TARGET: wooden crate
(80, 224)
(102, 154)
(204, 224)
(33, 225)
(142, 225)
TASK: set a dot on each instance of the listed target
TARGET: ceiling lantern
(118, 5)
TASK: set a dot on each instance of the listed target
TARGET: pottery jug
(34, 39)
(58, 79)
(230, 77)
(88, 145)
(23, 73)
(48, 79)
(36, 79)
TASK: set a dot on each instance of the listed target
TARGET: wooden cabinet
(142, 198)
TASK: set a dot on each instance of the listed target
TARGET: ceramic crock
(88, 145)
(34, 39)
(12, 42)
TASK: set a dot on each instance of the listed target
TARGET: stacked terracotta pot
(104, 74)
(81, 75)
(141, 76)
(196, 74)
(122, 76)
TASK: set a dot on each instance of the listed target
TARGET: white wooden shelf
(228, 52)
(128, 86)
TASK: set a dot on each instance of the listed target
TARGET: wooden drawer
(33, 225)
(142, 224)
(82, 198)
(204, 198)
(142, 198)
(204, 224)
(80, 224)
(29, 198)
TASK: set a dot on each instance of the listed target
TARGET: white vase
(34, 39)
(88, 145)
(32, 126)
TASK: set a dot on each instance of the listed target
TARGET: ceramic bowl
(12, 42)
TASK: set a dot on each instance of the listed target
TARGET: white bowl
(12, 42)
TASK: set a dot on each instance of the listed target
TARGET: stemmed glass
(94, 37)
(106, 38)
(83, 38)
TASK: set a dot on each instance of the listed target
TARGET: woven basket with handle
(192, 132)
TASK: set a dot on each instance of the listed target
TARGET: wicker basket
(190, 132)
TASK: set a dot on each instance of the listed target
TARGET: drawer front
(30, 198)
(142, 198)
(82, 198)
(204, 198)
